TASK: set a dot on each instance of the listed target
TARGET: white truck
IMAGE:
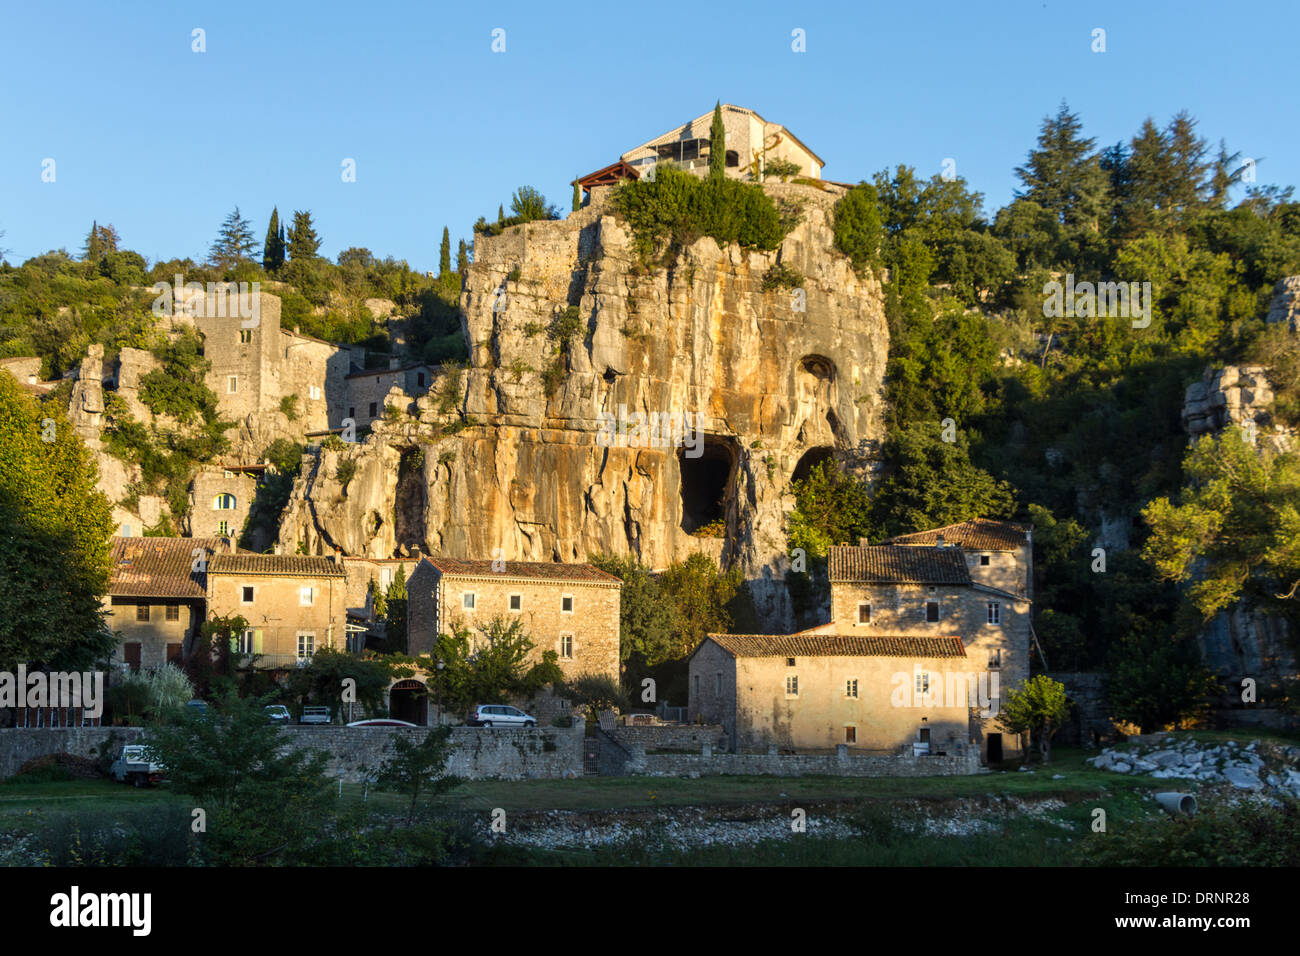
(136, 766)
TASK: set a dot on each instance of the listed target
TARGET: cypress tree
(273, 247)
(577, 196)
(501, 214)
(462, 258)
(717, 145)
(444, 253)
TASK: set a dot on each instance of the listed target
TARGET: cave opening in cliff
(810, 461)
(706, 483)
(411, 500)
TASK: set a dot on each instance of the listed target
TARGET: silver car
(499, 715)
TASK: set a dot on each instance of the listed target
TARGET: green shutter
(257, 641)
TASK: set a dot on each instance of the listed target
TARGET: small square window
(352, 411)
(984, 560)
(566, 647)
(851, 688)
(516, 602)
(792, 686)
(789, 662)
(850, 735)
(566, 604)
(995, 659)
(246, 594)
(305, 597)
(245, 336)
(931, 612)
(173, 612)
(467, 600)
(419, 380)
(223, 528)
(922, 682)
(142, 612)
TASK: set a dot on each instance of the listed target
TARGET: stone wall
(19, 746)
(670, 737)
(1089, 722)
(840, 764)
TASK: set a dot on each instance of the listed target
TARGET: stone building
(874, 693)
(999, 554)
(572, 609)
(368, 390)
(752, 143)
(294, 604)
(220, 499)
(157, 595)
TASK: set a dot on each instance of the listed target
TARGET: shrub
(781, 168)
(344, 472)
(781, 276)
(858, 229)
(289, 407)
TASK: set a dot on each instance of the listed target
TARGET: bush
(344, 472)
(858, 230)
(781, 276)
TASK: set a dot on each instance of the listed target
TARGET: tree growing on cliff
(857, 227)
(54, 540)
(462, 258)
(717, 145)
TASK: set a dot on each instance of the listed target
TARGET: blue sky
(163, 142)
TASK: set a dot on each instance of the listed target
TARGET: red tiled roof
(896, 564)
(540, 570)
(159, 567)
(837, 645)
(980, 534)
(289, 565)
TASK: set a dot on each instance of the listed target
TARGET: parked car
(499, 715)
(382, 722)
(136, 766)
(314, 715)
(278, 714)
(196, 706)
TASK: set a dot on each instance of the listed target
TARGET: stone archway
(409, 700)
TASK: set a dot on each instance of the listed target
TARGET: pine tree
(234, 243)
(577, 196)
(717, 145)
(303, 241)
(273, 247)
(462, 258)
(501, 214)
(444, 253)
(1063, 175)
(1224, 174)
(101, 241)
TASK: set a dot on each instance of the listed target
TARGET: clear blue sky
(163, 142)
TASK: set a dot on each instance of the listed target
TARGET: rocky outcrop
(1235, 395)
(1285, 306)
(765, 379)
(1254, 767)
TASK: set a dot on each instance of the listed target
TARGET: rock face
(1234, 395)
(768, 383)
(1285, 306)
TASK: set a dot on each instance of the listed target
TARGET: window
(931, 612)
(232, 384)
(352, 411)
(984, 560)
(717, 683)
(851, 688)
(697, 685)
(864, 612)
(922, 682)
(314, 392)
(850, 735)
(566, 647)
(419, 380)
(995, 612)
(223, 528)
(224, 503)
(131, 655)
(246, 594)
(245, 336)
(789, 662)
(142, 612)
(995, 659)
(247, 642)
(172, 612)
(306, 645)
(467, 600)
(792, 686)
(566, 604)
(516, 602)
(374, 409)
(306, 597)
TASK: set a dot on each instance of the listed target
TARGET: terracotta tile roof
(896, 564)
(837, 645)
(539, 570)
(158, 567)
(981, 534)
(289, 565)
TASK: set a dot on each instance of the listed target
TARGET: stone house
(368, 390)
(157, 596)
(572, 609)
(811, 692)
(951, 606)
(220, 499)
(294, 604)
(751, 144)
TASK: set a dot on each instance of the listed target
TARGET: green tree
(444, 253)
(462, 258)
(858, 231)
(234, 244)
(54, 540)
(1156, 679)
(414, 769)
(528, 205)
(395, 601)
(303, 240)
(1064, 175)
(331, 673)
(577, 196)
(273, 246)
(717, 145)
(1036, 706)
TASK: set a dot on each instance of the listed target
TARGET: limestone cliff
(775, 381)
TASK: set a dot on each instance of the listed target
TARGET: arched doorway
(409, 700)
